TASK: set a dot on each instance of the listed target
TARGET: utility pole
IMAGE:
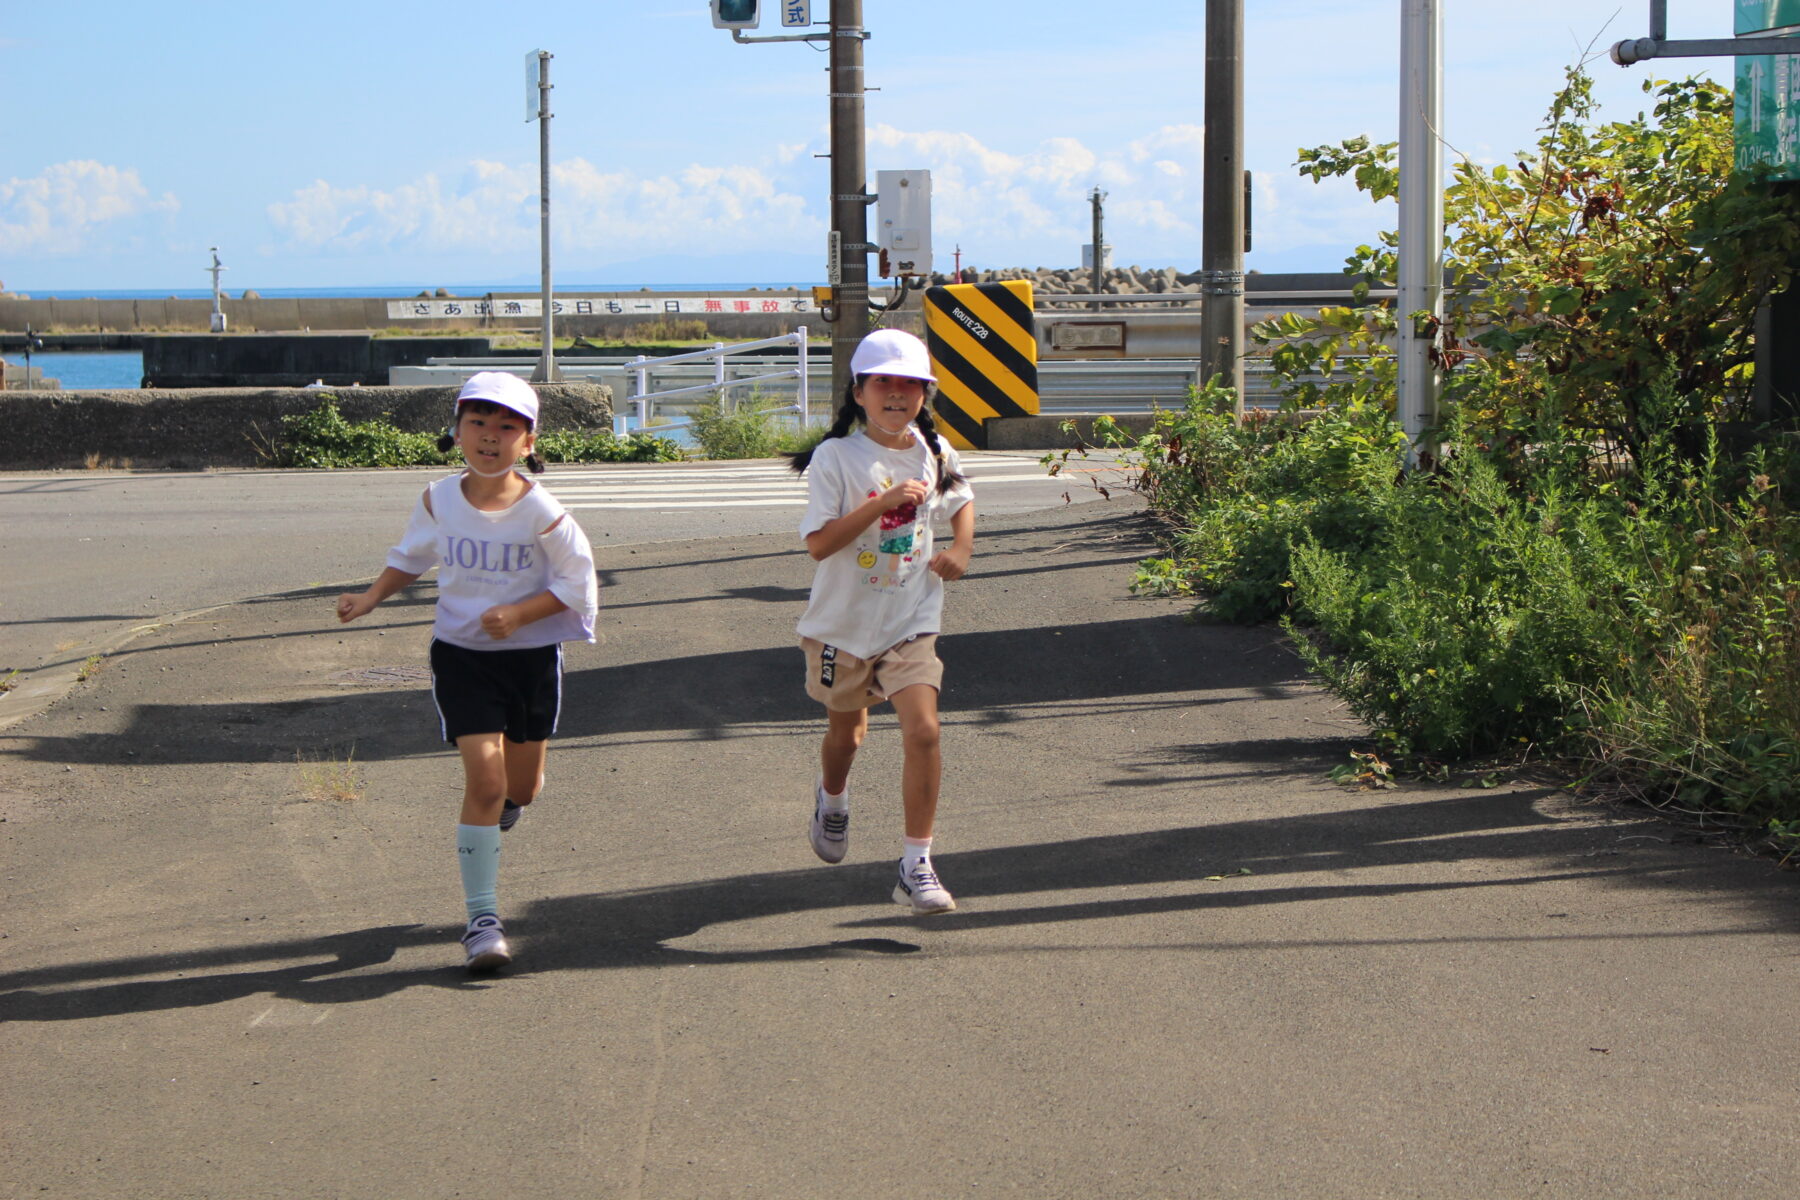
(1421, 251)
(546, 368)
(849, 196)
(1222, 200)
(1099, 271)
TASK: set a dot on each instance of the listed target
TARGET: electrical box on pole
(735, 14)
(903, 216)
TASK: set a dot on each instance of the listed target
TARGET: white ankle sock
(838, 803)
(915, 850)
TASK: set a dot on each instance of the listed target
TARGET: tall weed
(1464, 628)
(1706, 712)
(750, 428)
(1235, 497)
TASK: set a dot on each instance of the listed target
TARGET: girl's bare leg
(923, 764)
(484, 777)
(524, 770)
(843, 737)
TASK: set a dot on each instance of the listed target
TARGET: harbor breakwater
(742, 314)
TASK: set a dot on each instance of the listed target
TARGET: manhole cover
(392, 676)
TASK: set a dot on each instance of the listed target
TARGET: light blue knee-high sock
(478, 854)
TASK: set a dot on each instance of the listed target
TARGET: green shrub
(323, 438)
(1468, 623)
(602, 445)
(1705, 713)
(749, 428)
(1235, 497)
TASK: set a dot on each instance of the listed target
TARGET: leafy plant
(324, 438)
(602, 445)
(1602, 283)
(747, 428)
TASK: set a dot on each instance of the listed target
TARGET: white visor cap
(499, 387)
(892, 352)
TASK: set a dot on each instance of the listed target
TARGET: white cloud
(74, 207)
(1004, 205)
(494, 209)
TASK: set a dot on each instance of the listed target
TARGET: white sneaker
(485, 944)
(920, 890)
(829, 832)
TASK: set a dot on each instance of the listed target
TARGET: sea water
(78, 370)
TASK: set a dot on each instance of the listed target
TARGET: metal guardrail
(1065, 386)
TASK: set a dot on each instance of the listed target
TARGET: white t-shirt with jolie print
(488, 558)
(876, 592)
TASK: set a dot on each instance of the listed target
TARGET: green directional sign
(1767, 98)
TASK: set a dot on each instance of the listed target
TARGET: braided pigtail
(848, 414)
(927, 424)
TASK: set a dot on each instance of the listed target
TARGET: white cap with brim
(892, 352)
(499, 387)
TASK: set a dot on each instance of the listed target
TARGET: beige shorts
(845, 683)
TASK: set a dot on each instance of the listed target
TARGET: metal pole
(546, 368)
(1099, 273)
(849, 180)
(1421, 250)
(805, 408)
(1222, 199)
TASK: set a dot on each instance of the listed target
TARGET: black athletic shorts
(514, 692)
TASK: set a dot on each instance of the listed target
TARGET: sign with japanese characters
(795, 14)
(596, 306)
(1767, 98)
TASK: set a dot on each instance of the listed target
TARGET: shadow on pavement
(715, 696)
(1009, 887)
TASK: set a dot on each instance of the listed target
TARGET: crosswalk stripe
(672, 487)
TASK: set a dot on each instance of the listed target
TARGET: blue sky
(373, 144)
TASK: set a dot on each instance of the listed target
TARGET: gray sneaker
(829, 831)
(485, 944)
(920, 890)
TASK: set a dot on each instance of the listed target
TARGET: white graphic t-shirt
(489, 558)
(876, 592)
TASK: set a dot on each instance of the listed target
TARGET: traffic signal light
(735, 14)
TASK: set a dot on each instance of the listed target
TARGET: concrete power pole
(849, 196)
(546, 368)
(1099, 272)
(1421, 257)
(1222, 198)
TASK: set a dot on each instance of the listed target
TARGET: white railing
(639, 370)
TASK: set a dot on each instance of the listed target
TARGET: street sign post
(1767, 96)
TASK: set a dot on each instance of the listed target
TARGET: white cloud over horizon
(1005, 205)
(77, 207)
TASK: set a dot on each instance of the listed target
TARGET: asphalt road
(1184, 964)
(94, 556)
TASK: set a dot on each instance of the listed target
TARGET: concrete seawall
(193, 429)
(354, 314)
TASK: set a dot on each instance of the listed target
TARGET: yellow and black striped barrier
(984, 354)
